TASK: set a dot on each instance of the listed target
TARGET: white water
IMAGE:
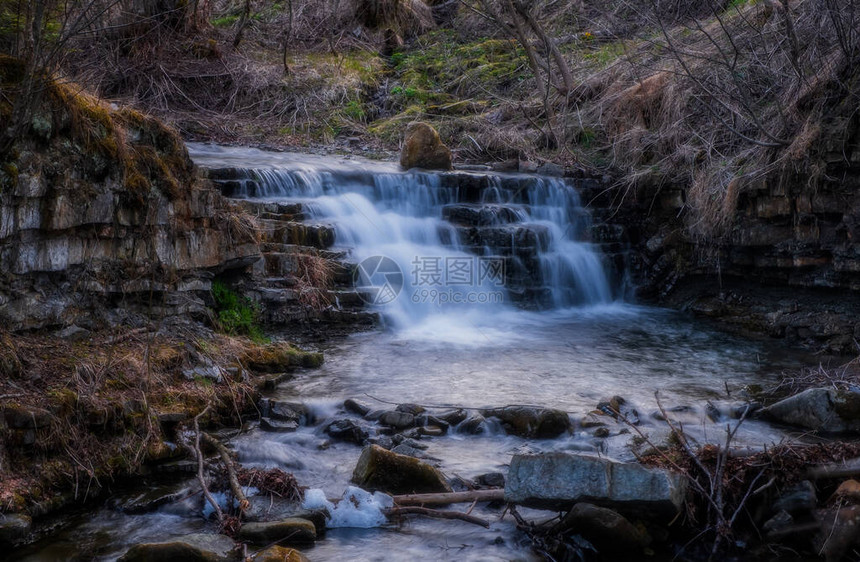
(449, 287)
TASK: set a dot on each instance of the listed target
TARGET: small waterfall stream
(432, 244)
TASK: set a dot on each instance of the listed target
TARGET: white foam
(357, 508)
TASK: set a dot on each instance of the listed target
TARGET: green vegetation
(225, 21)
(236, 314)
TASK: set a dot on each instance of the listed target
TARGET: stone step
(472, 214)
(320, 236)
(272, 209)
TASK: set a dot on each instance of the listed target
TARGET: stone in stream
(800, 498)
(292, 530)
(287, 411)
(413, 409)
(385, 471)
(14, 527)
(821, 409)
(491, 480)
(560, 480)
(269, 424)
(608, 530)
(280, 554)
(397, 420)
(422, 148)
(190, 548)
(530, 421)
(355, 407)
(346, 430)
(619, 409)
(453, 417)
(473, 425)
(267, 507)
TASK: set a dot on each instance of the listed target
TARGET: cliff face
(100, 206)
(790, 264)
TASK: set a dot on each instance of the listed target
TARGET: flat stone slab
(198, 547)
(560, 480)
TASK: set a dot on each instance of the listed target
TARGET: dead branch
(231, 471)
(436, 514)
(201, 465)
(497, 494)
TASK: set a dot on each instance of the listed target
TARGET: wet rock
(404, 449)
(608, 530)
(74, 333)
(602, 432)
(381, 470)
(273, 508)
(287, 411)
(413, 409)
(14, 528)
(593, 419)
(618, 408)
(346, 430)
(403, 440)
(491, 480)
(356, 407)
(422, 420)
(280, 554)
(384, 441)
(821, 409)
(397, 420)
(560, 480)
(151, 499)
(374, 415)
(453, 417)
(422, 148)
(528, 421)
(473, 425)
(269, 424)
(800, 498)
(712, 412)
(431, 431)
(292, 530)
(191, 548)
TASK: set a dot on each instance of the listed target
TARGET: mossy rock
(280, 554)
(292, 530)
(424, 149)
(381, 470)
(278, 357)
(191, 548)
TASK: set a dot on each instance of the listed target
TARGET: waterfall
(430, 243)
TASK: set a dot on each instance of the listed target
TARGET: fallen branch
(231, 471)
(436, 514)
(445, 498)
(200, 466)
(847, 469)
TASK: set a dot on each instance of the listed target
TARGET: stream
(582, 342)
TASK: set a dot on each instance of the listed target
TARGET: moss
(236, 314)
(8, 179)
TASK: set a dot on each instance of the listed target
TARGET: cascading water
(454, 248)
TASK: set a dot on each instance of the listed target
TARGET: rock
(619, 409)
(397, 420)
(152, 498)
(712, 412)
(383, 441)
(799, 498)
(381, 470)
(74, 333)
(491, 480)
(265, 507)
(287, 411)
(560, 480)
(424, 420)
(404, 449)
(21, 417)
(422, 148)
(839, 533)
(593, 419)
(528, 421)
(190, 548)
(413, 409)
(374, 415)
(268, 424)
(356, 407)
(473, 425)
(280, 554)
(602, 432)
(403, 440)
(346, 430)
(14, 528)
(431, 431)
(550, 169)
(608, 530)
(821, 409)
(782, 520)
(453, 417)
(850, 490)
(292, 530)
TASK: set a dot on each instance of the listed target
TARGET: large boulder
(381, 470)
(821, 409)
(422, 148)
(530, 421)
(292, 530)
(560, 480)
(190, 548)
